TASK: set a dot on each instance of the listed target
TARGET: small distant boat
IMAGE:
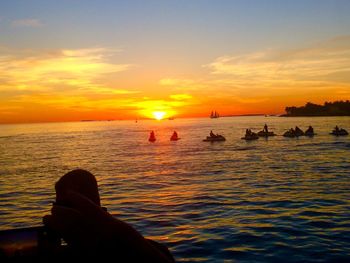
(214, 115)
(291, 133)
(152, 137)
(217, 138)
(298, 132)
(339, 132)
(250, 137)
(266, 134)
(174, 137)
(310, 132)
(171, 118)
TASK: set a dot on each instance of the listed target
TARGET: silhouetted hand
(87, 228)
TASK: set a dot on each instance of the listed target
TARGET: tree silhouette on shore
(336, 108)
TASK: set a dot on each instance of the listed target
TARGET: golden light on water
(159, 115)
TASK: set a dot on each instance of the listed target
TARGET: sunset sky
(72, 60)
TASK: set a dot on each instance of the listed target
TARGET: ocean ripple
(274, 200)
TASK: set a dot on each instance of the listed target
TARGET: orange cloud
(77, 68)
(323, 63)
(180, 96)
(182, 84)
(59, 79)
(87, 82)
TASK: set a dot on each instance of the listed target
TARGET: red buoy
(152, 137)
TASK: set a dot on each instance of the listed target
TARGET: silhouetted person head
(91, 233)
(80, 181)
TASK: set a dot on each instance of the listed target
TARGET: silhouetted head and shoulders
(90, 231)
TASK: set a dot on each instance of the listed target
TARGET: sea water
(269, 200)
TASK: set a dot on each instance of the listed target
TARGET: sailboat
(214, 115)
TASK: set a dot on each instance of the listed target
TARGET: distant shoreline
(247, 115)
(292, 116)
(148, 119)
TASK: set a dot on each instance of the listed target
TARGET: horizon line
(139, 119)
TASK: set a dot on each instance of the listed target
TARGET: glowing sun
(158, 114)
